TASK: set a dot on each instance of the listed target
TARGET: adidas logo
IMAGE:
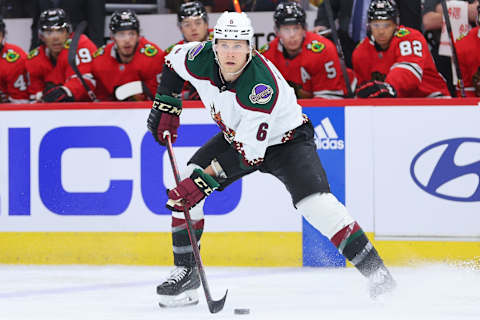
(328, 137)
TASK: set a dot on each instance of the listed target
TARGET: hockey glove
(57, 94)
(191, 191)
(376, 89)
(476, 82)
(164, 116)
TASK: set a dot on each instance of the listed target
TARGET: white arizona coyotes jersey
(258, 110)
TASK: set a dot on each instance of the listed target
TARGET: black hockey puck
(241, 311)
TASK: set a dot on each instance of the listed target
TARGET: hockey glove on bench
(164, 116)
(376, 89)
(191, 191)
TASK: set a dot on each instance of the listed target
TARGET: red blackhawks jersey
(314, 72)
(109, 72)
(468, 50)
(407, 65)
(42, 70)
(13, 74)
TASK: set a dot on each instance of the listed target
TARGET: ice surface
(119, 293)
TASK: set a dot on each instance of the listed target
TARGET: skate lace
(177, 275)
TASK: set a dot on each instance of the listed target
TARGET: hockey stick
(329, 12)
(72, 53)
(213, 305)
(454, 50)
(236, 5)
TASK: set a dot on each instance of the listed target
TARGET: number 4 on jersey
(20, 83)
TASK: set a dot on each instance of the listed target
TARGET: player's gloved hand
(57, 94)
(191, 191)
(376, 89)
(164, 116)
(476, 82)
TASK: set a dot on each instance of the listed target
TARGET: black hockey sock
(182, 248)
(352, 242)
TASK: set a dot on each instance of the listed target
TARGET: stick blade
(217, 306)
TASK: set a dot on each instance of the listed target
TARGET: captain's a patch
(261, 94)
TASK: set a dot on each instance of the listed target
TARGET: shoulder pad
(11, 55)
(67, 43)
(32, 54)
(257, 90)
(402, 32)
(264, 48)
(195, 51)
(316, 46)
(200, 60)
(100, 51)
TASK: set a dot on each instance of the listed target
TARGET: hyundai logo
(449, 169)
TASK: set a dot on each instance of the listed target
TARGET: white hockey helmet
(233, 26)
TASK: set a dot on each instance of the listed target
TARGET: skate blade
(187, 298)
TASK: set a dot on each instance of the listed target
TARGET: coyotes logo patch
(261, 94)
(195, 51)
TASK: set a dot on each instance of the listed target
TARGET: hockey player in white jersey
(263, 129)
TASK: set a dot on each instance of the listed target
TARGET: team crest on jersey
(261, 94)
(67, 44)
(167, 51)
(33, 53)
(149, 50)
(217, 117)
(11, 56)
(402, 32)
(100, 51)
(316, 46)
(195, 51)
(264, 48)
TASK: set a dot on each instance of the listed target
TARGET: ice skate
(180, 288)
(380, 282)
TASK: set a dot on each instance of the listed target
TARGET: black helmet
(289, 13)
(192, 9)
(2, 26)
(124, 19)
(382, 10)
(54, 19)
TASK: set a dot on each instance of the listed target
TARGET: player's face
(126, 41)
(232, 54)
(54, 39)
(382, 31)
(194, 29)
(291, 36)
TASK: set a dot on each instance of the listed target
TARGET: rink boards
(85, 183)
